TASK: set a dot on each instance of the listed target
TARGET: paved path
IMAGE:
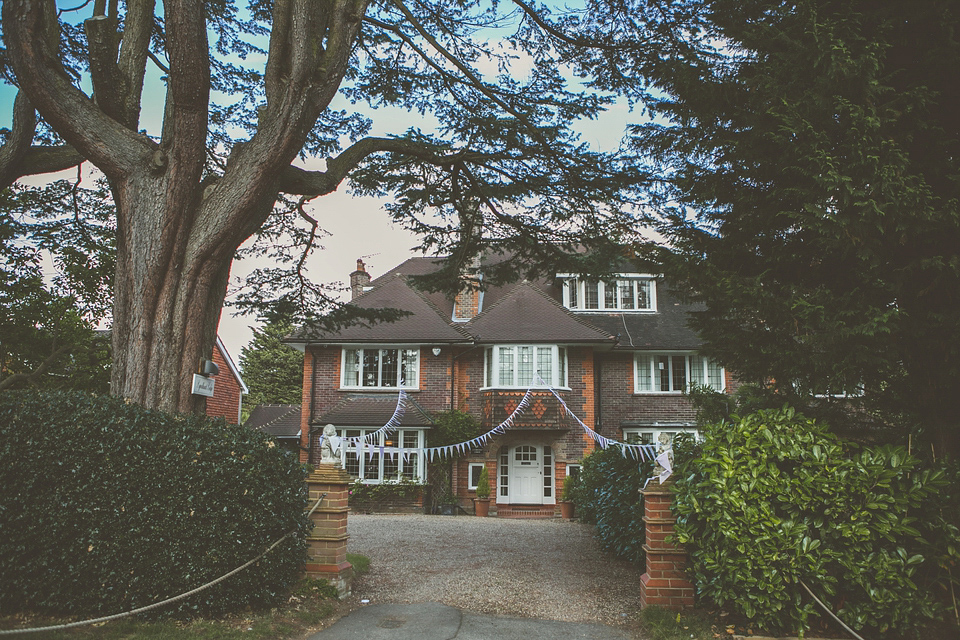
(535, 569)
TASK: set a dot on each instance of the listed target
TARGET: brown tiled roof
(279, 420)
(422, 324)
(527, 314)
(373, 410)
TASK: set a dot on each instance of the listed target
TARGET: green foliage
(364, 496)
(570, 484)
(811, 198)
(608, 495)
(774, 499)
(47, 315)
(107, 507)
(361, 563)
(272, 370)
(453, 427)
(661, 624)
(483, 484)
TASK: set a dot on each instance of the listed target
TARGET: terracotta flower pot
(566, 509)
(482, 506)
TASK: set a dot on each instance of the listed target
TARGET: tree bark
(177, 229)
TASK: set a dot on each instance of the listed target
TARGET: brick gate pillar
(665, 582)
(327, 541)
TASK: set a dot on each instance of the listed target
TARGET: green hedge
(608, 495)
(107, 507)
(774, 499)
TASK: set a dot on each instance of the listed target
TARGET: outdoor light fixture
(436, 351)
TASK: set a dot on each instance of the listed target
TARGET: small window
(475, 469)
(573, 471)
(525, 366)
(675, 373)
(380, 368)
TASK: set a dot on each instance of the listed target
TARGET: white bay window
(525, 366)
(401, 457)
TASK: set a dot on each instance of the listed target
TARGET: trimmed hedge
(608, 495)
(774, 499)
(107, 507)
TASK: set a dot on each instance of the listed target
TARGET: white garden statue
(331, 447)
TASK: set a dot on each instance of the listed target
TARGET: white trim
(471, 486)
(688, 380)
(558, 375)
(409, 386)
(581, 284)
(232, 365)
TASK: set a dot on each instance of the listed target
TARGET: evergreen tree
(272, 370)
(811, 157)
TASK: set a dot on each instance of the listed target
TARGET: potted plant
(482, 501)
(566, 498)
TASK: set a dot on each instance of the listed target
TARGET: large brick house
(619, 353)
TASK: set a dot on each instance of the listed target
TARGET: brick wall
(227, 394)
(620, 404)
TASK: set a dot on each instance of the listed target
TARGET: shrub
(365, 496)
(608, 495)
(107, 507)
(483, 485)
(773, 500)
(569, 489)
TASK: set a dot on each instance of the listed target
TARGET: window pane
(572, 286)
(609, 295)
(506, 365)
(644, 379)
(525, 366)
(351, 368)
(663, 373)
(371, 367)
(697, 370)
(547, 472)
(627, 294)
(410, 358)
(504, 471)
(475, 470)
(489, 379)
(591, 295)
(389, 367)
(715, 375)
(545, 364)
(679, 373)
(562, 365)
(644, 297)
(351, 458)
(371, 464)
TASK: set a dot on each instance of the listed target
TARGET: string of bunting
(389, 427)
(636, 451)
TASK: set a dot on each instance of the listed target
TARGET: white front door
(526, 475)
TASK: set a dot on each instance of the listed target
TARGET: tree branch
(19, 159)
(16, 378)
(317, 183)
(30, 32)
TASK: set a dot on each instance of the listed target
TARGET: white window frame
(574, 293)
(691, 359)
(419, 470)
(651, 435)
(357, 382)
(493, 355)
(472, 486)
(576, 465)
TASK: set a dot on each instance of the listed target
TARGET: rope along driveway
(526, 568)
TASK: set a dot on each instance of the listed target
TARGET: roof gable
(527, 314)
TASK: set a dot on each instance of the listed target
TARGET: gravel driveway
(549, 569)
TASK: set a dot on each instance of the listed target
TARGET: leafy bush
(107, 507)
(363, 496)
(608, 495)
(774, 500)
(483, 485)
(570, 485)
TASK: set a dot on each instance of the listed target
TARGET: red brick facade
(228, 390)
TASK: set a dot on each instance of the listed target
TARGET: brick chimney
(467, 302)
(358, 280)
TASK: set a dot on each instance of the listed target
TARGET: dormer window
(623, 293)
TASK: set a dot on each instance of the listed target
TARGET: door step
(526, 511)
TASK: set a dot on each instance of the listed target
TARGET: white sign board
(202, 386)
